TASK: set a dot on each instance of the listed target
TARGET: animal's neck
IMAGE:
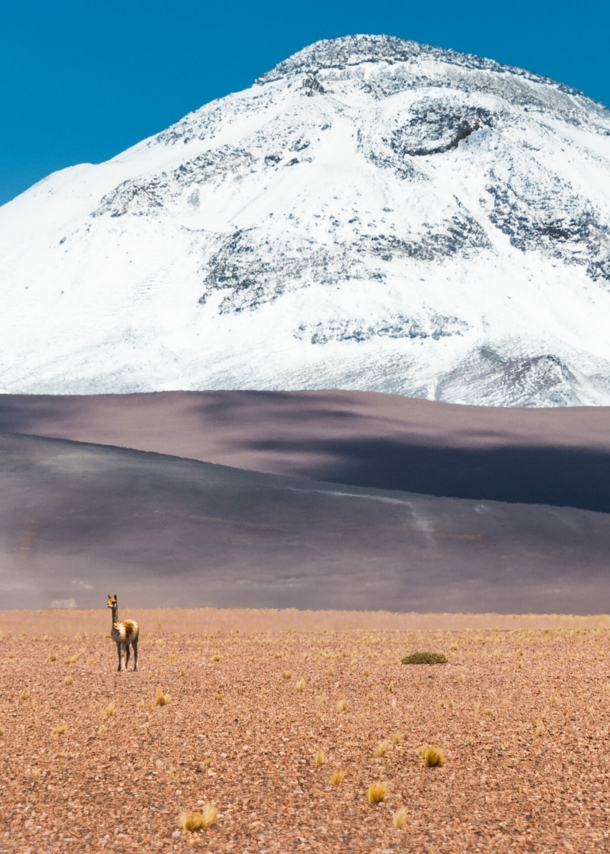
(115, 615)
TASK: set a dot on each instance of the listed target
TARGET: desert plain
(253, 712)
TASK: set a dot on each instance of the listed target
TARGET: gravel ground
(522, 717)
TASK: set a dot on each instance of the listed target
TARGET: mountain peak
(372, 213)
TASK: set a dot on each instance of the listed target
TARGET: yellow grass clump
(376, 793)
(341, 705)
(300, 686)
(161, 699)
(539, 730)
(191, 822)
(68, 680)
(432, 755)
(51, 657)
(217, 696)
(182, 673)
(108, 711)
(216, 656)
(58, 730)
(399, 818)
(102, 730)
(72, 659)
(319, 758)
(330, 672)
(488, 712)
(286, 674)
(337, 777)
(25, 695)
(2, 731)
(396, 737)
(381, 749)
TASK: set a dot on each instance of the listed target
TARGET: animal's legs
(135, 655)
(118, 649)
(126, 655)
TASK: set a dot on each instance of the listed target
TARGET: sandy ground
(522, 716)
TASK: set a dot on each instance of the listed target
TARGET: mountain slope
(371, 214)
(557, 456)
(168, 531)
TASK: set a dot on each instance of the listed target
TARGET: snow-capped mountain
(372, 214)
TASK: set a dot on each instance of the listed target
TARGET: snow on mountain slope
(371, 214)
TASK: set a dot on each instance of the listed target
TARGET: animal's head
(111, 601)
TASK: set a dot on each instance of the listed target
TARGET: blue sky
(80, 80)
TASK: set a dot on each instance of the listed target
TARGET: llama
(124, 634)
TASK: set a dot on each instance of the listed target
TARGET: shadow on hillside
(564, 477)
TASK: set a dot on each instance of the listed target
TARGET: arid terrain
(315, 500)
(520, 711)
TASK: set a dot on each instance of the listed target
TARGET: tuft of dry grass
(2, 731)
(432, 755)
(376, 793)
(381, 749)
(216, 656)
(217, 696)
(191, 822)
(342, 705)
(370, 696)
(319, 758)
(68, 680)
(286, 674)
(72, 659)
(58, 730)
(488, 712)
(539, 731)
(396, 738)
(330, 672)
(140, 704)
(337, 777)
(399, 818)
(25, 695)
(300, 686)
(102, 730)
(366, 671)
(51, 657)
(108, 711)
(182, 673)
(161, 699)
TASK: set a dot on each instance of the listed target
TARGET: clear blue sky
(80, 80)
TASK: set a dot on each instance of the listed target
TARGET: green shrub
(425, 658)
